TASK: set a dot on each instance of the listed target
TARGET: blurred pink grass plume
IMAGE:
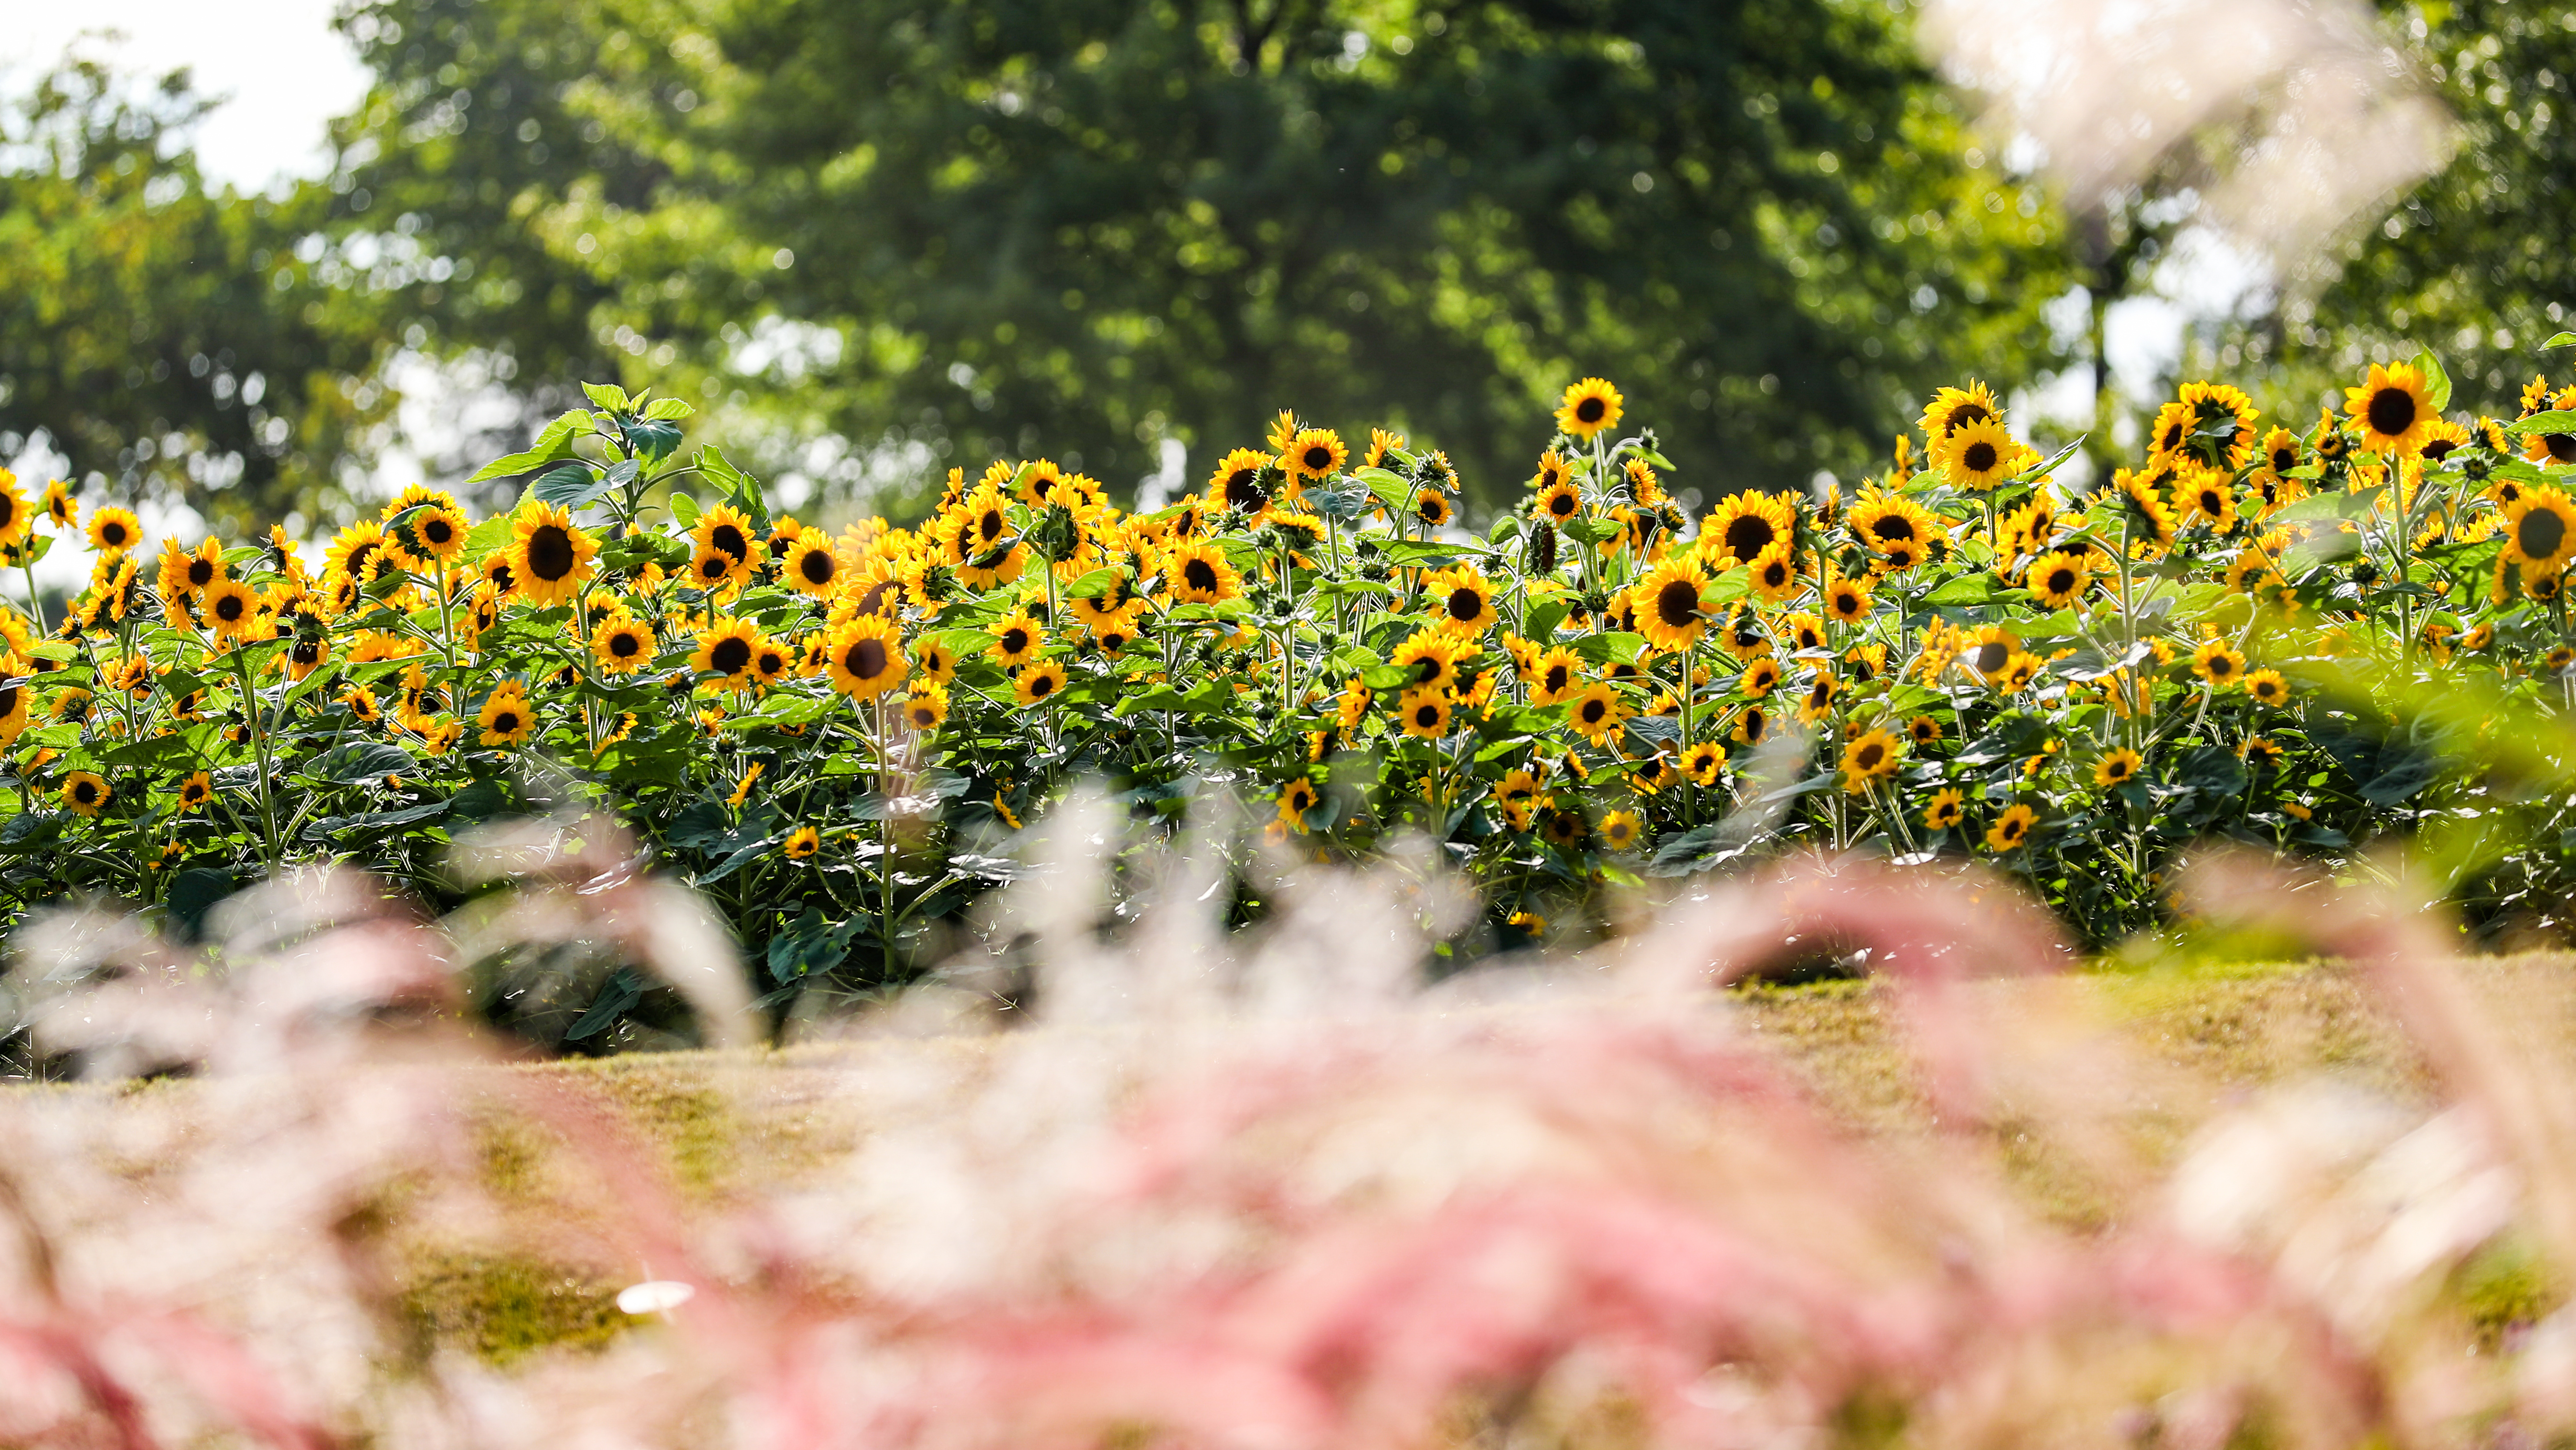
(1267, 1190)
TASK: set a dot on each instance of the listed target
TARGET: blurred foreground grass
(727, 1122)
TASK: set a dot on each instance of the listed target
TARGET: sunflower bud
(1541, 555)
(2365, 573)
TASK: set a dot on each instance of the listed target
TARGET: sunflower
(114, 530)
(1295, 800)
(2144, 505)
(16, 518)
(724, 530)
(1947, 809)
(1898, 528)
(1315, 453)
(2391, 408)
(1589, 407)
(2059, 579)
(1667, 604)
(1990, 652)
(1016, 640)
(1819, 699)
(231, 609)
(17, 704)
(196, 790)
(434, 535)
(2209, 495)
(1431, 508)
(2215, 662)
(2011, 829)
(1848, 600)
(934, 659)
(1952, 409)
(1236, 486)
(1560, 503)
(85, 792)
(865, 660)
(622, 644)
(2268, 688)
(1980, 455)
(742, 787)
(1759, 678)
(925, 706)
(726, 648)
(1775, 573)
(1424, 712)
(803, 842)
(1597, 713)
(60, 506)
(1621, 830)
(506, 717)
(809, 564)
(1554, 676)
(770, 662)
(2540, 531)
(1200, 574)
(714, 569)
(2117, 768)
(1037, 682)
(1705, 762)
(1871, 757)
(1461, 600)
(1553, 473)
(549, 558)
(1744, 525)
(307, 655)
(185, 574)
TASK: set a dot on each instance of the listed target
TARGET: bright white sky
(286, 71)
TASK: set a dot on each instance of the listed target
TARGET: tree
(1080, 227)
(166, 339)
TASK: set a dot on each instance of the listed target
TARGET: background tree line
(940, 233)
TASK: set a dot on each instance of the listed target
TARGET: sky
(287, 73)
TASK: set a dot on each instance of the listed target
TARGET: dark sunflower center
(2061, 580)
(1465, 604)
(1990, 657)
(1431, 510)
(715, 567)
(2540, 533)
(2119, 769)
(2284, 459)
(307, 652)
(1043, 684)
(1558, 677)
(1748, 535)
(865, 659)
(1965, 414)
(1199, 574)
(1979, 457)
(2561, 446)
(1870, 755)
(1564, 505)
(2439, 449)
(437, 531)
(1014, 640)
(1677, 604)
(85, 793)
(2212, 501)
(2012, 830)
(201, 572)
(730, 655)
(1590, 410)
(230, 607)
(1755, 722)
(1593, 710)
(113, 535)
(731, 540)
(1426, 715)
(2391, 411)
(2221, 665)
(501, 576)
(990, 526)
(816, 566)
(8, 702)
(506, 723)
(771, 662)
(1318, 458)
(625, 645)
(550, 552)
(1894, 526)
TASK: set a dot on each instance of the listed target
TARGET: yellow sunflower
(1848, 600)
(2215, 662)
(2117, 768)
(1016, 640)
(1980, 455)
(1947, 808)
(86, 793)
(925, 706)
(1295, 800)
(2210, 495)
(1621, 830)
(934, 659)
(114, 530)
(1668, 607)
(1589, 407)
(865, 658)
(1760, 677)
(2059, 579)
(1560, 503)
(61, 506)
(549, 557)
(1745, 525)
(1597, 713)
(1040, 681)
(1461, 601)
(196, 790)
(1314, 453)
(1896, 527)
(726, 649)
(231, 608)
(2269, 688)
(1775, 573)
(1424, 711)
(622, 644)
(810, 565)
(2540, 531)
(2392, 409)
(1558, 675)
(506, 717)
(1236, 485)
(16, 518)
(1704, 763)
(1433, 657)
(803, 842)
(1953, 408)
(1872, 756)
(1431, 508)
(2011, 829)
(1200, 574)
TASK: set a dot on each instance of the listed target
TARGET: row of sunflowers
(836, 735)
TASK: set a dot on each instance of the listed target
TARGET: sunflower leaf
(2437, 382)
(2564, 339)
(551, 446)
(2555, 421)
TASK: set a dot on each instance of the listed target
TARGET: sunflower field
(2260, 631)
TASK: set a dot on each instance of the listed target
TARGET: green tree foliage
(2473, 262)
(166, 338)
(1104, 224)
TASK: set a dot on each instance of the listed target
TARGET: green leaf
(570, 485)
(2054, 459)
(2564, 339)
(609, 396)
(362, 762)
(685, 511)
(667, 409)
(2551, 422)
(617, 996)
(551, 446)
(1967, 589)
(2437, 383)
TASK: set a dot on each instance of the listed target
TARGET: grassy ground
(734, 1121)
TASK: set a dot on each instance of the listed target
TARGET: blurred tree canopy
(1081, 228)
(161, 336)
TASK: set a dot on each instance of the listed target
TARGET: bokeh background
(275, 258)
